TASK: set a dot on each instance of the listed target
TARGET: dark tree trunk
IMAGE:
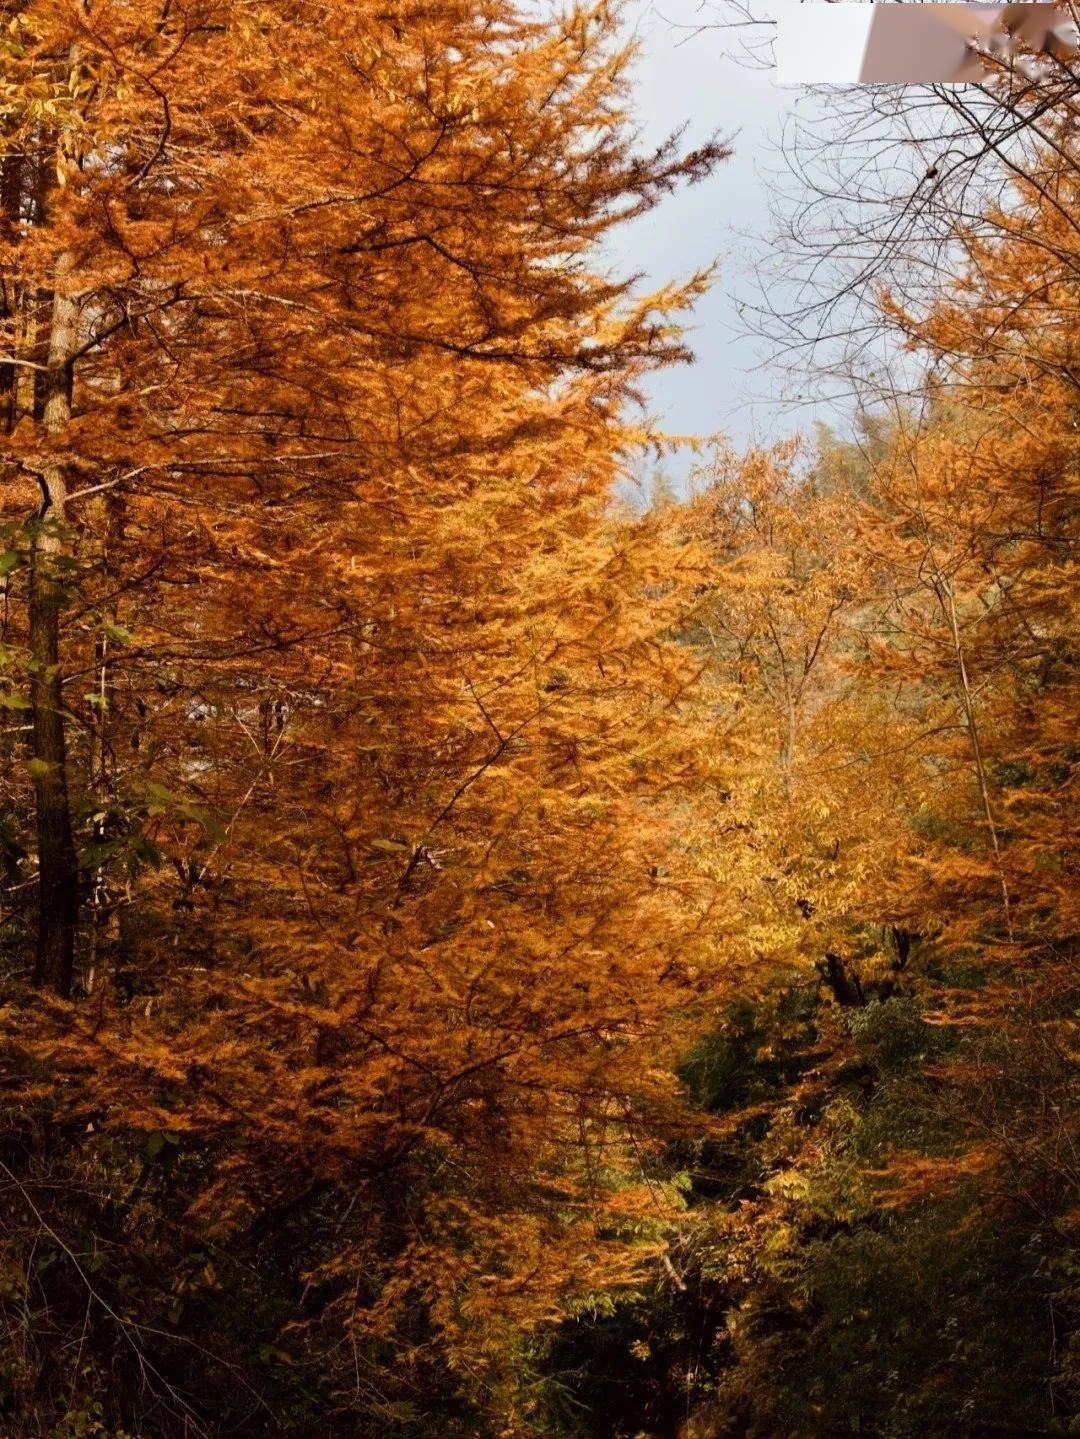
(845, 984)
(10, 202)
(58, 871)
(58, 877)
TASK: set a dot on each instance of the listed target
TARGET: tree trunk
(845, 985)
(10, 203)
(58, 872)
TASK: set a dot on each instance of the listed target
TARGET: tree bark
(10, 203)
(845, 985)
(58, 871)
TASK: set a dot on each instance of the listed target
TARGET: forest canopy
(480, 956)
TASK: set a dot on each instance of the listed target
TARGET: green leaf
(38, 768)
(94, 855)
(13, 700)
(271, 1354)
(200, 816)
(9, 560)
(118, 634)
(154, 1144)
(144, 852)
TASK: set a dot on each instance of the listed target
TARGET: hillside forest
(482, 954)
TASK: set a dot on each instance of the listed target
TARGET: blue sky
(692, 78)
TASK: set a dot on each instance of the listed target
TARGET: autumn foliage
(356, 720)
(451, 918)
